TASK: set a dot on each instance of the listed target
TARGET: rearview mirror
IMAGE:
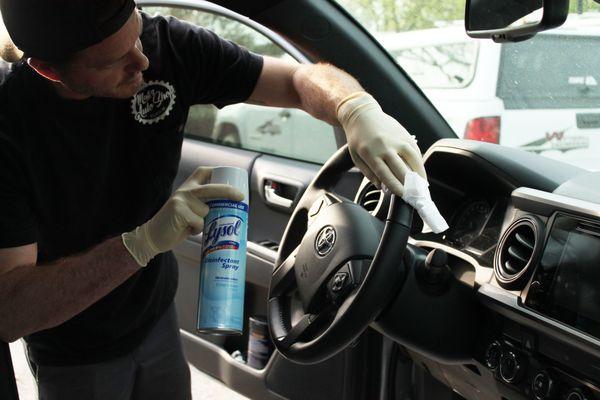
(513, 20)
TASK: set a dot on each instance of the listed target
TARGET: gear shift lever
(434, 271)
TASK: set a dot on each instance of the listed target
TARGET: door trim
(202, 5)
(215, 361)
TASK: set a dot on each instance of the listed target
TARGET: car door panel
(276, 183)
(212, 354)
(290, 172)
(214, 360)
(282, 171)
(211, 155)
(259, 267)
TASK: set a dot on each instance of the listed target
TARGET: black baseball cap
(53, 30)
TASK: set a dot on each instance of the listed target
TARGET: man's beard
(124, 90)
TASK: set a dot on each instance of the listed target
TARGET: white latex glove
(181, 216)
(380, 147)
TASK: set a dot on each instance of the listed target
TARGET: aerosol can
(223, 269)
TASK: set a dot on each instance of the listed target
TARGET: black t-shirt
(75, 173)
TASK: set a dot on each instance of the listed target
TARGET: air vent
(369, 197)
(518, 250)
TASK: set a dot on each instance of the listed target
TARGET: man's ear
(44, 68)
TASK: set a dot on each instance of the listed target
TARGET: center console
(526, 362)
(566, 283)
(544, 341)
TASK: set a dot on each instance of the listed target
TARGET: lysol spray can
(223, 270)
(259, 342)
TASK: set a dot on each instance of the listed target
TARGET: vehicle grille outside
(518, 251)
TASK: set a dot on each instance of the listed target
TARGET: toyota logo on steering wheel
(325, 241)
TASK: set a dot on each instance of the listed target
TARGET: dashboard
(521, 317)
(475, 227)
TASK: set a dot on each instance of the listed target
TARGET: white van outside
(509, 93)
(500, 93)
(283, 131)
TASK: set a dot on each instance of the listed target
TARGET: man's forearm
(380, 147)
(34, 298)
(321, 87)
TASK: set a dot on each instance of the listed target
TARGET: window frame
(285, 45)
(203, 5)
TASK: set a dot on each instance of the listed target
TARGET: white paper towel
(416, 193)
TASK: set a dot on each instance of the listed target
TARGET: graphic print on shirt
(153, 102)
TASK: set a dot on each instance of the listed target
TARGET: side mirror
(513, 20)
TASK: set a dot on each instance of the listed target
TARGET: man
(90, 139)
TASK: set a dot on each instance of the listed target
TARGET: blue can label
(223, 271)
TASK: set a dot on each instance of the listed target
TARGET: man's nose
(139, 61)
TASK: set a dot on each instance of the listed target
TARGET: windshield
(540, 95)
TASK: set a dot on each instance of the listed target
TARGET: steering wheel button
(340, 283)
(339, 280)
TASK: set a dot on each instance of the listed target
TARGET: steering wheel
(338, 266)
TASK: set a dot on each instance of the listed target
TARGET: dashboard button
(576, 394)
(512, 367)
(543, 386)
(493, 354)
(536, 287)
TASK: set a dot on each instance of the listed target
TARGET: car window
(541, 95)
(450, 65)
(531, 76)
(283, 132)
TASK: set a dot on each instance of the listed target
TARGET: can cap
(236, 177)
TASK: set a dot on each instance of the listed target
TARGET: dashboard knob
(512, 367)
(576, 394)
(493, 354)
(543, 386)
(435, 270)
